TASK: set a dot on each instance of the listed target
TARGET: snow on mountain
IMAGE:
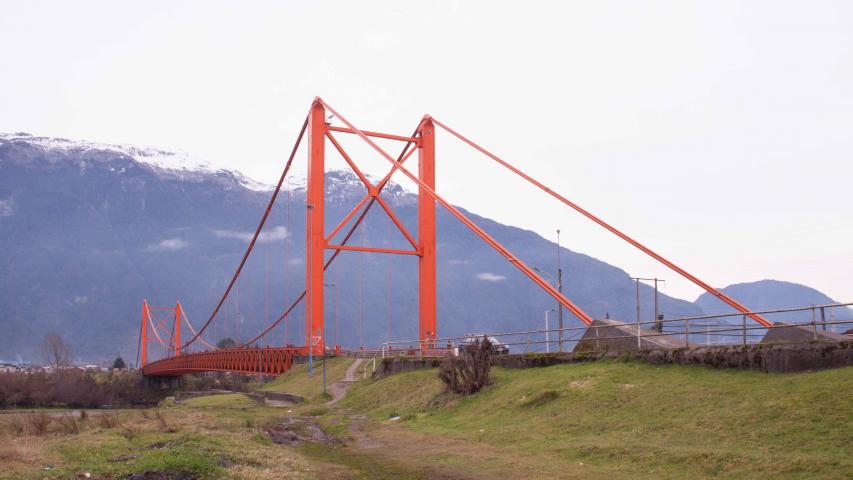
(184, 165)
(176, 162)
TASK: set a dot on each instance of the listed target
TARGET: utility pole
(658, 319)
(559, 289)
(548, 331)
(637, 280)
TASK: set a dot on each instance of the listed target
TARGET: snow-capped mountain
(88, 230)
(174, 163)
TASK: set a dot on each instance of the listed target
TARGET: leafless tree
(55, 351)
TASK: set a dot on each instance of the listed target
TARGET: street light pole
(559, 289)
(548, 331)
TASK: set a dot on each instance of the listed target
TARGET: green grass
(210, 437)
(298, 382)
(192, 453)
(634, 420)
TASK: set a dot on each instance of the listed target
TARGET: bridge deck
(259, 361)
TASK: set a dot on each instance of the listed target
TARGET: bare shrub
(162, 424)
(84, 415)
(16, 426)
(9, 453)
(21, 450)
(469, 372)
(37, 423)
(68, 425)
(128, 433)
(108, 420)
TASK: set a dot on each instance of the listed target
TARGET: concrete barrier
(612, 335)
(790, 333)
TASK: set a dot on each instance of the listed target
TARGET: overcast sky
(719, 133)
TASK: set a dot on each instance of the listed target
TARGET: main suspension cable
(255, 236)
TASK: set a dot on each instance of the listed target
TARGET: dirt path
(442, 457)
(339, 388)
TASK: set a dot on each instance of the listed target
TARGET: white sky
(719, 133)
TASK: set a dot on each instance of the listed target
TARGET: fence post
(686, 333)
(744, 329)
(814, 324)
(823, 317)
(639, 342)
(597, 345)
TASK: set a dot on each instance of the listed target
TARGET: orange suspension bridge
(196, 354)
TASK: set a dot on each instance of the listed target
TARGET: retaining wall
(784, 358)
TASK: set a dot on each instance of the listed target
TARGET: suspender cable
(286, 262)
(255, 236)
(388, 290)
(361, 291)
(381, 185)
(190, 325)
(267, 282)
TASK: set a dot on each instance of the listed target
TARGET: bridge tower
(318, 242)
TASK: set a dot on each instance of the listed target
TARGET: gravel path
(339, 388)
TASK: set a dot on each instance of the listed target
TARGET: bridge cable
(381, 185)
(190, 325)
(286, 260)
(713, 291)
(576, 310)
(255, 236)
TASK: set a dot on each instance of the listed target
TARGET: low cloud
(168, 245)
(275, 234)
(490, 277)
(7, 207)
(457, 262)
(295, 261)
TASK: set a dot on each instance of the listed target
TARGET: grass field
(207, 438)
(634, 420)
(298, 382)
(603, 419)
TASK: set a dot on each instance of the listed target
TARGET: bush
(37, 423)
(108, 420)
(68, 425)
(76, 389)
(469, 372)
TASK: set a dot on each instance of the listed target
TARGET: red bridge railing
(259, 361)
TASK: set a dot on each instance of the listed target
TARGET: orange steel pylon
(247, 359)
(318, 242)
(174, 345)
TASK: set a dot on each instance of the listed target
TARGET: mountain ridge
(89, 231)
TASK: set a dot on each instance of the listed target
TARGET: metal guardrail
(683, 328)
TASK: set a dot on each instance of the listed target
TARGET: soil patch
(159, 445)
(160, 475)
(123, 458)
(297, 430)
